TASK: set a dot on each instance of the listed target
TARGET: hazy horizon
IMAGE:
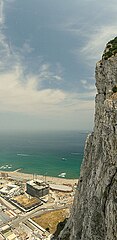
(43, 131)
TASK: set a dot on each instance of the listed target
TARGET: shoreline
(29, 176)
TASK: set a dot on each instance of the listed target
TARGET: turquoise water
(43, 153)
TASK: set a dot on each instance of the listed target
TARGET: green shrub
(111, 49)
(114, 89)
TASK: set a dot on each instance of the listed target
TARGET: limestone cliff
(94, 213)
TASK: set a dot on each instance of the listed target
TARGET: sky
(48, 52)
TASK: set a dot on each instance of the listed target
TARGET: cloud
(88, 85)
(24, 97)
(97, 40)
(26, 48)
(22, 92)
(57, 78)
(45, 73)
(1, 12)
(16, 96)
(93, 27)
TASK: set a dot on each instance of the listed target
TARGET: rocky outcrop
(94, 213)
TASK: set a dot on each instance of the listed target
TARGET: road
(22, 217)
(35, 212)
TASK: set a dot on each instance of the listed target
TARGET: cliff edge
(94, 212)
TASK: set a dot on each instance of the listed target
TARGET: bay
(57, 154)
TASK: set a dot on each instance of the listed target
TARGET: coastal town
(33, 207)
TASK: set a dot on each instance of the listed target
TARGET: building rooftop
(62, 188)
(37, 184)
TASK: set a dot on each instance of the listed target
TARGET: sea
(57, 154)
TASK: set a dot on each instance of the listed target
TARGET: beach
(26, 176)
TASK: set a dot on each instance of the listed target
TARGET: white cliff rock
(94, 213)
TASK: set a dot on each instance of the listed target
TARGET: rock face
(94, 213)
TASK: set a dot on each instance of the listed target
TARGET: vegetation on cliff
(114, 89)
(111, 49)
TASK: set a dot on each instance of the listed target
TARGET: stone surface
(94, 212)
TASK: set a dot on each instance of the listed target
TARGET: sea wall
(94, 212)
